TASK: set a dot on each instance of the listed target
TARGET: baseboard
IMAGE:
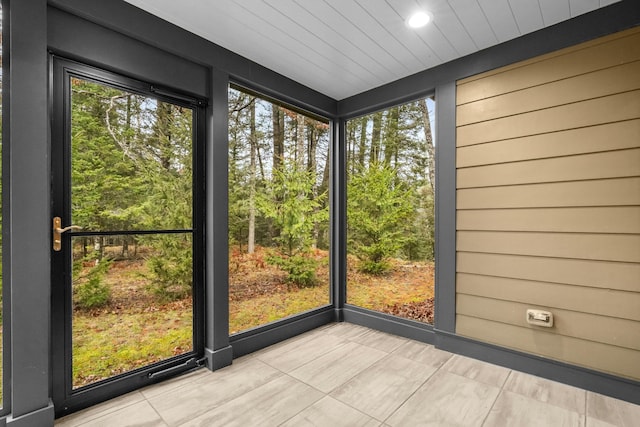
(390, 324)
(256, 339)
(42, 417)
(584, 378)
(217, 359)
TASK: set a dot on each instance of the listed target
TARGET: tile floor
(347, 375)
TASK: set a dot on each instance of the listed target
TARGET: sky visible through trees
(278, 199)
(278, 207)
(390, 198)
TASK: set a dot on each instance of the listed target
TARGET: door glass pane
(131, 171)
(390, 211)
(132, 302)
(131, 160)
(278, 212)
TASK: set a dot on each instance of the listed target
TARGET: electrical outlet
(540, 318)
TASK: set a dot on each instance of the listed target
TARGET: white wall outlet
(540, 318)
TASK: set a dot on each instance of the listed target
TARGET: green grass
(126, 335)
(113, 343)
(260, 310)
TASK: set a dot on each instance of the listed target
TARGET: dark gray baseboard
(390, 324)
(217, 359)
(41, 417)
(587, 379)
(256, 339)
(584, 378)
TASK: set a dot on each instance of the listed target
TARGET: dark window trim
(275, 98)
(5, 402)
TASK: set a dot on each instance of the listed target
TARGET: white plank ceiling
(344, 47)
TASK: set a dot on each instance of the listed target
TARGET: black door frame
(65, 399)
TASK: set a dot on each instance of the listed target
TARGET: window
(390, 210)
(278, 211)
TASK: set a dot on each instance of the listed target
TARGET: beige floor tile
(184, 403)
(173, 383)
(379, 340)
(592, 422)
(380, 389)
(477, 370)
(268, 405)
(612, 411)
(139, 414)
(512, 409)
(296, 353)
(446, 400)
(337, 366)
(547, 391)
(331, 413)
(423, 353)
(100, 410)
(346, 330)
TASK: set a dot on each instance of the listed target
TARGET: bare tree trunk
(125, 247)
(98, 248)
(278, 153)
(253, 141)
(300, 142)
(362, 148)
(311, 166)
(428, 137)
(375, 138)
(278, 136)
(391, 136)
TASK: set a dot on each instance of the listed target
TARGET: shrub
(301, 269)
(171, 268)
(93, 292)
(374, 268)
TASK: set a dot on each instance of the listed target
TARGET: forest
(132, 186)
(278, 210)
(390, 210)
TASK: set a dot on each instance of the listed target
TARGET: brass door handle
(58, 230)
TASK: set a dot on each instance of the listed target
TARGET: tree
(378, 209)
(398, 139)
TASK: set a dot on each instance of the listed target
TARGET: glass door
(126, 235)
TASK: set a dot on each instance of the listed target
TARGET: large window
(278, 211)
(390, 210)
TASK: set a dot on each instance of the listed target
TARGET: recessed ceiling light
(419, 19)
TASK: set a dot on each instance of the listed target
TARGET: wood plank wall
(548, 204)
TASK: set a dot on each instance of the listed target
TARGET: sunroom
(320, 212)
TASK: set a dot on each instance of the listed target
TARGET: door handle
(58, 230)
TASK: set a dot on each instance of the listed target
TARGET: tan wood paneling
(610, 164)
(587, 326)
(561, 65)
(608, 247)
(599, 274)
(622, 78)
(606, 302)
(614, 108)
(610, 38)
(593, 139)
(603, 357)
(612, 192)
(548, 204)
(618, 219)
